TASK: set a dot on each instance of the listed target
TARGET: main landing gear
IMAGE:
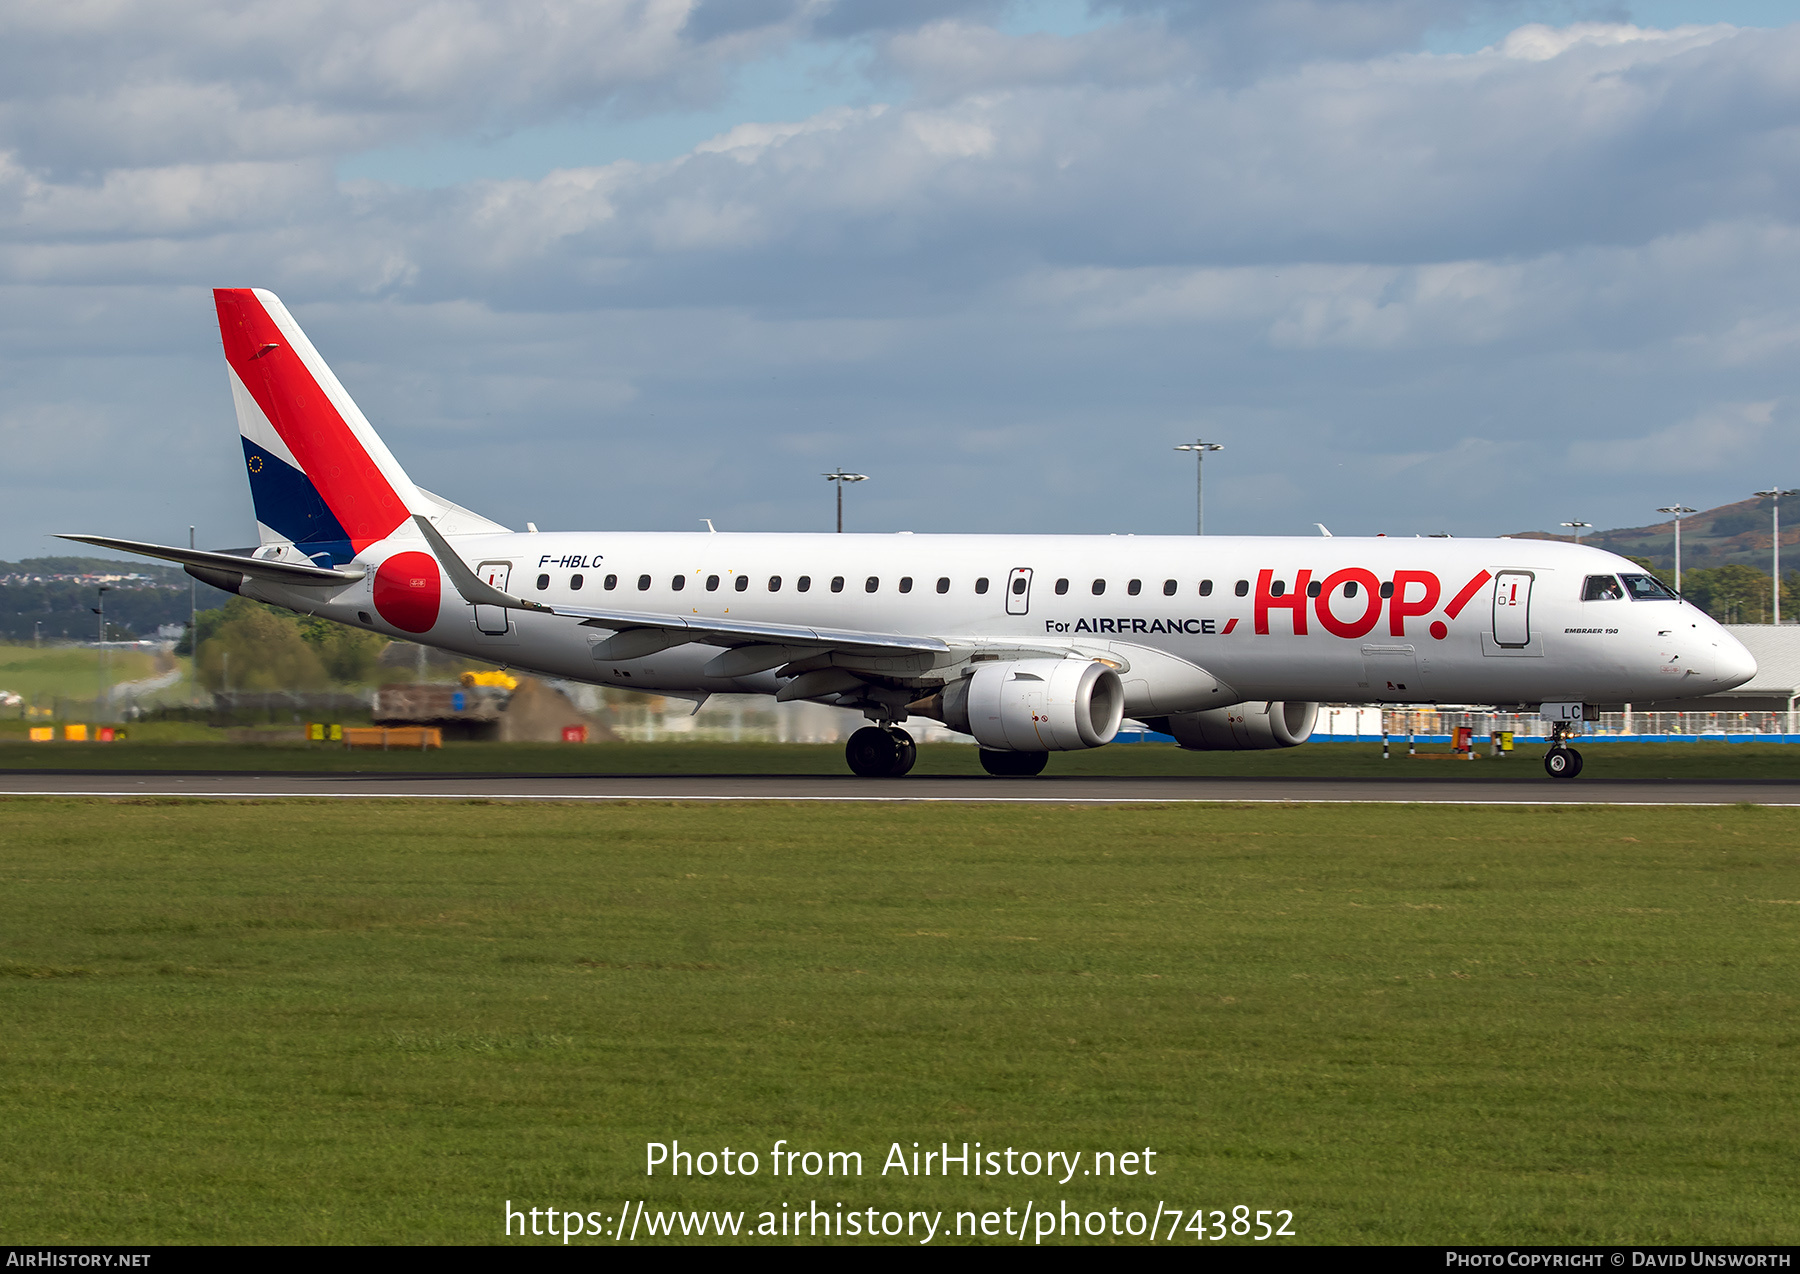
(1013, 765)
(1561, 761)
(881, 752)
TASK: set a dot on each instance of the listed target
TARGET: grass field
(151, 748)
(331, 1023)
(71, 672)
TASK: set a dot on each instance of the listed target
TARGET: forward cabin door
(1512, 609)
(492, 619)
(1018, 591)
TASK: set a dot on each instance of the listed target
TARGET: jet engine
(1243, 727)
(1033, 705)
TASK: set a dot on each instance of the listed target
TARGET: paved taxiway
(956, 788)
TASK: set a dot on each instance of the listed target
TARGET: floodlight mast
(1774, 496)
(1578, 528)
(1200, 447)
(840, 477)
(1679, 511)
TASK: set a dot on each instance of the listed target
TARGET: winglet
(473, 589)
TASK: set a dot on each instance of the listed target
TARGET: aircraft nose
(1732, 664)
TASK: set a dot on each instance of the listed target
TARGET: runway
(1045, 790)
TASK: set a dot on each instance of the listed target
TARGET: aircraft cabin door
(1512, 609)
(1018, 590)
(492, 619)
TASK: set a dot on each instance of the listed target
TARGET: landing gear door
(1512, 609)
(492, 619)
(1018, 591)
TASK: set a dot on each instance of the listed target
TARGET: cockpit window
(1602, 588)
(1647, 588)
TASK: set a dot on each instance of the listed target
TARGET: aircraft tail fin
(320, 476)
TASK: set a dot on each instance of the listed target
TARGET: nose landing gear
(881, 752)
(1561, 761)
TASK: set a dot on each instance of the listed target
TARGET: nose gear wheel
(1562, 763)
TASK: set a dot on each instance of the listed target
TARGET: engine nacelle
(1035, 705)
(1243, 727)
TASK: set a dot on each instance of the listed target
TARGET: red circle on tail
(407, 591)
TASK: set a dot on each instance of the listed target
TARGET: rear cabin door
(1018, 591)
(492, 619)
(1512, 609)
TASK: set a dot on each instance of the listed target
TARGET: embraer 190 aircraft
(1031, 643)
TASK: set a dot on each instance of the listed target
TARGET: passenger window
(837, 583)
(1243, 588)
(1313, 589)
(1099, 587)
(1350, 589)
(1206, 588)
(1387, 588)
(678, 583)
(643, 583)
(1277, 588)
(742, 582)
(1062, 586)
(981, 585)
(1602, 588)
(803, 584)
(543, 582)
(712, 583)
(610, 582)
(1018, 586)
(943, 584)
(906, 583)
(1168, 588)
(774, 583)
(575, 583)
(871, 584)
(1135, 587)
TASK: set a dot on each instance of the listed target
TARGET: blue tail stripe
(288, 504)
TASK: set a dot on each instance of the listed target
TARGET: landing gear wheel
(1009, 765)
(875, 753)
(1562, 763)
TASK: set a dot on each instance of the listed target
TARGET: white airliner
(1032, 644)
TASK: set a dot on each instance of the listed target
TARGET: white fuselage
(1192, 623)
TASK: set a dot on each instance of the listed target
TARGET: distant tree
(1730, 594)
(349, 654)
(251, 647)
(276, 649)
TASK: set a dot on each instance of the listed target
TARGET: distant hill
(1730, 535)
(52, 597)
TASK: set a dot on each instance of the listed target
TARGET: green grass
(376, 1023)
(153, 748)
(68, 672)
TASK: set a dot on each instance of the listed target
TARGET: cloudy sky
(1471, 266)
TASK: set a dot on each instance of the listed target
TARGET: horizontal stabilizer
(238, 560)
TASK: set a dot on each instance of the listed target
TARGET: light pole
(1679, 511)
(1578, 528)
(100, 610)
(1774, 498)
(193, 633)
(1200, 447)
(840, 477)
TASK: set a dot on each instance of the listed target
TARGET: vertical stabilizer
(319, 474)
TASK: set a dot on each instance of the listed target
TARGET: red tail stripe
(1468, 590)
(363, 501)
